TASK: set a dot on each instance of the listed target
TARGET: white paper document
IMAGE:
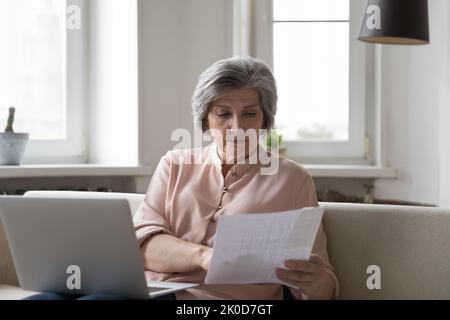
(249, 247)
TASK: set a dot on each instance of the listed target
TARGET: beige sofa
(410, 245)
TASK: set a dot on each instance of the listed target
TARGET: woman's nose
(235, 124)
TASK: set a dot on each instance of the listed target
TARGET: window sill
(350, 171)
(76, 170)
(72, 170)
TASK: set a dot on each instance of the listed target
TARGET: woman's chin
(237, 153)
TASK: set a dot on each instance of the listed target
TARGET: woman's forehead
(241, 97)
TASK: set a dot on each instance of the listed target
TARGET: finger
(299, 265)
(295, 276)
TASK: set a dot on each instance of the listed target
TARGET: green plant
(9, 124)
(273, 139)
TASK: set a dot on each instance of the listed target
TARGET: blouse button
(213, 220)
(225, 190)
(204, 242)
(219, 208)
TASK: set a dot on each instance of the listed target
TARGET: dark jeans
(55, 296)
(100, 296)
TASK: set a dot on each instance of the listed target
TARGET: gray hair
(235, 73)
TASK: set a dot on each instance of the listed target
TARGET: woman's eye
(251, 114)
(223, 115)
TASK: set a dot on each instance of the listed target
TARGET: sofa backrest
(410, 245)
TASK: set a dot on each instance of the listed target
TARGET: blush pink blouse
(185, 198)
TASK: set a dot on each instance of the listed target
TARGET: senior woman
(176, 223)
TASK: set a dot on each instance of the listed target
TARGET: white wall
(444, 114)
(113, 96)
(413, 95)
(178, 40)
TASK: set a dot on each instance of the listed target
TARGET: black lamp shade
(395, 22)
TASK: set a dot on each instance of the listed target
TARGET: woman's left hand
(310, 277)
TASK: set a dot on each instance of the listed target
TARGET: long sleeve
(150, 217)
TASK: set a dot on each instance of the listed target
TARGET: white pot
(12, 148)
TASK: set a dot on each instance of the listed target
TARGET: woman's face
(235, 119)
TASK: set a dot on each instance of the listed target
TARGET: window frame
(359, 148)
(73, 149)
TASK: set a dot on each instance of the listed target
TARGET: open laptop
(78, 247)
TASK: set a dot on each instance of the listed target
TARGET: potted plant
(273, 142)
(12, 144)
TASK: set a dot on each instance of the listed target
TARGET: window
(41, 75)
(313, 103)
(321, 71)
